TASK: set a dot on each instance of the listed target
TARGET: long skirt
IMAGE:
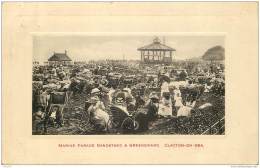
(165, 110)
(100, 119)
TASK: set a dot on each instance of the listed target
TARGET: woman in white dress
(165, 106)
(186, 110)
(177, 98)
(111, 94)
(164, 88)
(97, 113)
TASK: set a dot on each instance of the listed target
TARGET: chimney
(65, 52)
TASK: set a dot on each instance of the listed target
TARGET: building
(60, 59)
(156, 53)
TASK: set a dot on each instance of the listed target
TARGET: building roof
(59, 57)
(156, 45)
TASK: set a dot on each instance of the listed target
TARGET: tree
(216, 53)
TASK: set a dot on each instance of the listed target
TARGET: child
(39, 117)
(55, 116)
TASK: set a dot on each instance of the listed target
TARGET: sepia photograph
(128, 84)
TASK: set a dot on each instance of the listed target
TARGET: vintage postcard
(141, 85)
(100, 83)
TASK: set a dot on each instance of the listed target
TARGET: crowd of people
(151, 90)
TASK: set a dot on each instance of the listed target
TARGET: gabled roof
(59, 57)
(156, 45)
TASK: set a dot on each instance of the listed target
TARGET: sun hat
(119, 100)
(152, 94)
(154, 97)
(95, 90)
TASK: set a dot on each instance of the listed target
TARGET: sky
(85, 48)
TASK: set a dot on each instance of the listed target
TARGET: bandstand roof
(156, 45)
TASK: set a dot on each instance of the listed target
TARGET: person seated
(152, 106)
(95, 92)
(62, 75)
(97, 113)
(104, 81)
(127, 89)
(129, 99)
(55, 117)
(183, 75)
(65, 87)
(121, 104)
(58, 86)
(42, 99)
(104, 96)
(207, 88)
(140, 99)
(185, 110)
(38, 118)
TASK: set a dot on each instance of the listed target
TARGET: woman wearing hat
(104, 81)
(164, 87)
(152, 105)
(98, 115)
(129, 99)
(121, 104)
(177, 99)
(165, 108)
(104, 96)
(95, 92)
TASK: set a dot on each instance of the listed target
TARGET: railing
(216, 128)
